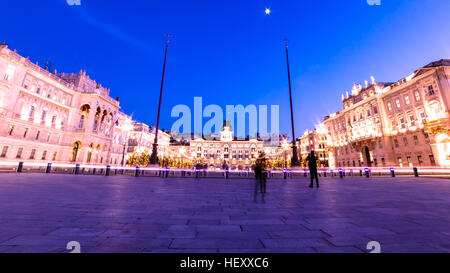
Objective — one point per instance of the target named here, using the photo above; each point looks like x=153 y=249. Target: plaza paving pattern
x=42 y=213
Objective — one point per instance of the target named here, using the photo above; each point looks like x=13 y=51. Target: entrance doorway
x=367 y=156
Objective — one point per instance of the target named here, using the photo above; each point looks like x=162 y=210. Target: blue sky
x=230 y=52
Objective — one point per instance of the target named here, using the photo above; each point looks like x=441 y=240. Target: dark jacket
x=312 y=161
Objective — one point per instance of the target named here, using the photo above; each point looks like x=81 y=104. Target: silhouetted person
x=312 y=164
x=260 y=176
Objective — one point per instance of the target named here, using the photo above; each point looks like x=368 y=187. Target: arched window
x=75 y=150
x=89 y=155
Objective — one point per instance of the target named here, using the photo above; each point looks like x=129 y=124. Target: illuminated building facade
x=50 y=117
x=401 y=124
x=216 y=154
x=142 y=138
x=316 y=141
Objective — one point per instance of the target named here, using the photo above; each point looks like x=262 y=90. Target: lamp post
x=154 y=157
x=294 y=161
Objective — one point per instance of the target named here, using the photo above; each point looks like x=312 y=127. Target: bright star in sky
x=268 y=11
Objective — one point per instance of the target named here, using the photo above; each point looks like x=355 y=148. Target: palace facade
x=61 y=118
x=394 y=124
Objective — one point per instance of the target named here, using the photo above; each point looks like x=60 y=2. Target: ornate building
x=142 y=138
x=316 y=141
x=235 y=154
x=394 y=124
x=50 y=117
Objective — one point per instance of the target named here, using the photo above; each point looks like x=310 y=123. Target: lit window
x=402 y=123
x=417 y=95
x=412 y=120
x=389 y=106
x=407 y=101
x=397 y=102
x=44 y=155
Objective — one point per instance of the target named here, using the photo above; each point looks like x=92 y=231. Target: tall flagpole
x=154 y=157
x=294 y=161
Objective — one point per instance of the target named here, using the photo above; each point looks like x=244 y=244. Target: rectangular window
x=33 y=153
x=25 y=133
x=48 y=137
x=420 y=160
x=405 y=141
x=19 y=153
x=432 y=161
x=431 y=90
x=37 y=135
x=396 y=143
x=416 y=140
x=417 y=96
x=397 y=102
x=389 y=106
x=54 y=156
x=408 y=159
x=11 y=130
x=44 y=155
x=4 y=151
x=412 y=120
x=383 y=162
x=407 y=101
x=375 y=110
x=400 y=162
x=402 y=123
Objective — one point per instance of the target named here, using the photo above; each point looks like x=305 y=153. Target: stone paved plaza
x=42 y=213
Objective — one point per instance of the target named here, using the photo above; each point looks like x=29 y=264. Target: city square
x=44 y=212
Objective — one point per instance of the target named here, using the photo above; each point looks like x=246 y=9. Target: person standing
x=260 y=176
x=312 y=164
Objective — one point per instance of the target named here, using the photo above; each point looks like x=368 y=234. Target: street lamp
x=154 y=157
x=294 y=161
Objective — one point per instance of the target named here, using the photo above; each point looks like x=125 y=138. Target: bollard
x=49 y=168
x=367 y=171
x=108 y=169
x=341 y=173
x=360 y=173
x=393 y=172
x=324 y=173
x=20 y=167
x=416 y=172
x=94 y=171
x=167 y=173
x=196 y=173
x=115 y=171
x=284 y=174
x=226 y=174
x=351 y=173
x=77 y=168
x=136 y=173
